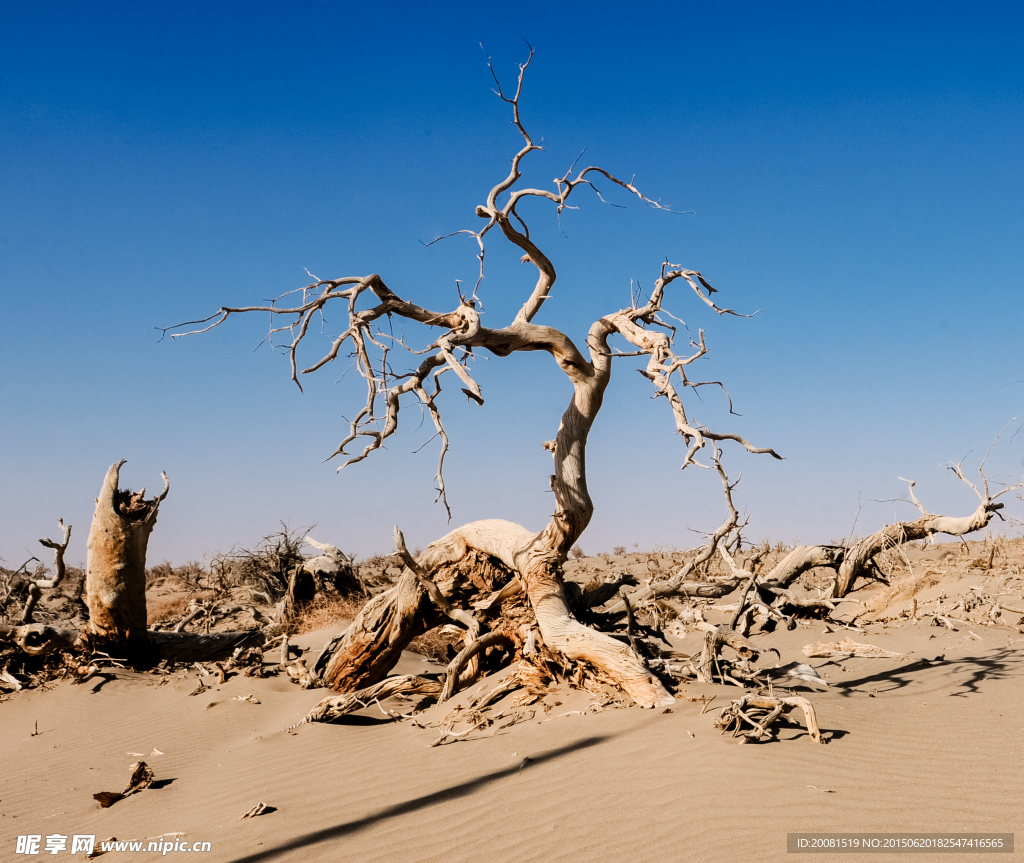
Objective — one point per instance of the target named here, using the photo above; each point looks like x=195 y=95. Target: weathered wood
x=374 y=642
x=736 y=714
x=455 y=679
x=186 y=647
x=36 y=639
x=115 y=570
x=341 y=705
x=677 y=586
x=189 y=647
x=37 y=586
x=848 y=647
x=714 y=638
x=859 y=557
x=801 y=559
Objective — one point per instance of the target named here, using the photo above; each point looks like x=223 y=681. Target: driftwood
x=140 y=779
x=37 y=639
x=37 y=586
x=760 y=711
x=334 y=565
x=801 y=559
x=341 y=705
x=455 y=677
x=115 y=570
x=714 y=638
x=848 y=647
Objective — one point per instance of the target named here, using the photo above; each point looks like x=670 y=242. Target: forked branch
x=858 y=558
x=36 y=587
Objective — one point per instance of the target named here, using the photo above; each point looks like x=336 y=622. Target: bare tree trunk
x=893 y=535
x=373 y=644
x=370 y=647
x=540 y=563
x=115 y=573
x=801 y=559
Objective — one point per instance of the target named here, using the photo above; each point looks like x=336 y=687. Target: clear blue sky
x=855 y=171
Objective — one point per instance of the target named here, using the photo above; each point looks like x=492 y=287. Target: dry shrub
x=435 y=643
x=266 y=567
x=903 y=586
x=577 y=553
x=165 y=608
x=891 y=561
x=160 y=609
x=323 y=612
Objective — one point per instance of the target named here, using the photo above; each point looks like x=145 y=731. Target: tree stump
x=115 y=570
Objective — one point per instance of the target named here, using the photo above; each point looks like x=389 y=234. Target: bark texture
x=115 y=573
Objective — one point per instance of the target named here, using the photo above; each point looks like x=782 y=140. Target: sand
x=929 y=742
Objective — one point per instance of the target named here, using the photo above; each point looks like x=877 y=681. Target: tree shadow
x=356 y=719
x=1001 y=664
x=106 y=678
x=452 y=793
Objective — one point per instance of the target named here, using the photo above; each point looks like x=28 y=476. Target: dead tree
x=115 y=588
x=115 y=568
x=532 y=559
x=860 y=557
x=37 y=586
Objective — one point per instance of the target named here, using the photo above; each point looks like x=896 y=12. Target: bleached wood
x=860 y=555
x=115 y=569
x=369 y=649
x=37 y=586
x=800 y=560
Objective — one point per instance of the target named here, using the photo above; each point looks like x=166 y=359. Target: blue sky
x=854 y=171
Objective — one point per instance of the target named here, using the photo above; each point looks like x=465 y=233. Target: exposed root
x=455 y=676
x=334 y=708
x=759 y=712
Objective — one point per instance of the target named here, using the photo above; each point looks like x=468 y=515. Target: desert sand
x=928 y=742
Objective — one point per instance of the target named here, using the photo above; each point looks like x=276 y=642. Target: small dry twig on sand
x=258 y=809
x=141 y=777
x=848 y=647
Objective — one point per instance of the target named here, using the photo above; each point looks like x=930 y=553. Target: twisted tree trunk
x=860 y=556
x=372 y=645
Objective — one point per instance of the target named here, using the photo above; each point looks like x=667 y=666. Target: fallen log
x=847 y=647
x=37 y=639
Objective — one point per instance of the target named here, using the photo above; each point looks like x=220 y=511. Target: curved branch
x=36 y=588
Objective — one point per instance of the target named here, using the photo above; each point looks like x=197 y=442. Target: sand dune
x=931 y=742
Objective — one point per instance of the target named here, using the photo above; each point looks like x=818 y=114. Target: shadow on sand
x=1000 y=664
x=455 y=791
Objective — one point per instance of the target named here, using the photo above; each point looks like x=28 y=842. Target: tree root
x=759 y=712
x=334 y=708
